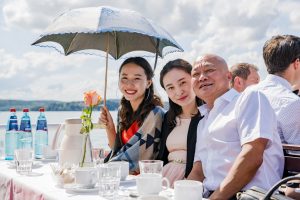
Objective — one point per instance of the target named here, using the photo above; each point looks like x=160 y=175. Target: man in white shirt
x=282 y=58
x=243 y=75
x=237 y=141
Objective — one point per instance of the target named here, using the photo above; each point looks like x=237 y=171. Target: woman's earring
x=148 y=93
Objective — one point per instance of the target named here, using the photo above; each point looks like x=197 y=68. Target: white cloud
x=38 y=75
x=234 y=29
x=35 y=14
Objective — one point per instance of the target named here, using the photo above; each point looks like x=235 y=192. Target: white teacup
x=150 y=183
x=124 y=168
x=86 y=177
x=188 y=189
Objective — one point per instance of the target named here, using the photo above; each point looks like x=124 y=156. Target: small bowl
x=62 y=175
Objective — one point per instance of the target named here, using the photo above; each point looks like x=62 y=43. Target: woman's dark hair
x=175 y=109
x=126 y=114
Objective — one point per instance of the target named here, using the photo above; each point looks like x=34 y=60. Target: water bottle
x=25 y=134
x=41 y=134
x=11 y=135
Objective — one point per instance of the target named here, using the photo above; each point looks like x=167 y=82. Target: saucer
x=46 y=159
x=169 y=193
x=152 y=197
x=78 y=189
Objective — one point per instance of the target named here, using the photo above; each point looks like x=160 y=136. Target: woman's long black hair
x=175 y=109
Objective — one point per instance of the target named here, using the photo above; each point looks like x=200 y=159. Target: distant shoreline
x=52 y=105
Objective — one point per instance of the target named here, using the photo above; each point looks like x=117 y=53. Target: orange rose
x=91 y=98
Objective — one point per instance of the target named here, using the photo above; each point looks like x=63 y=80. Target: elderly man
x=243 y=75
x=237 y=141
x=282 y=58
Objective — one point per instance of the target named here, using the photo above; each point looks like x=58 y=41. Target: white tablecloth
x=14 y=186
x=20 y=187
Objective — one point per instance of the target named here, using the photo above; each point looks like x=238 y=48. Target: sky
x=235 y=30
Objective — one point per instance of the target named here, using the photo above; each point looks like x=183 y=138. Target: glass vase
x=86 y=157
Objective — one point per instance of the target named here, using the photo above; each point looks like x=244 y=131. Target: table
x=14 y=186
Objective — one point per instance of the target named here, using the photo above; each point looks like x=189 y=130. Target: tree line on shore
x=52 y=105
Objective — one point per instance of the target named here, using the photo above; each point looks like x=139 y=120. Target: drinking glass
x=124 y=168
x=23 y=160
x=98 y=156
x=109 y=180
x=151 y=166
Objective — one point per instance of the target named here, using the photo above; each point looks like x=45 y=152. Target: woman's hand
x=107 y=120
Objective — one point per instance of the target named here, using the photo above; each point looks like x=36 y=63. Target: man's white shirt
x=286 y=105
x=234 y=120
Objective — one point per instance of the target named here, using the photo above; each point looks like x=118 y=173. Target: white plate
x=12 y=164
x=78 y=189
x=169 y=193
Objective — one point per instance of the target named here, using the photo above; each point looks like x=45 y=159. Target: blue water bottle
x=25 y=134
x=41 y=134
x=11 y=135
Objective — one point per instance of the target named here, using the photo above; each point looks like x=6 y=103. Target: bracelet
x=293 y=185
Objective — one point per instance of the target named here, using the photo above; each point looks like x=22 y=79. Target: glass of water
x=98 y=156
x=23 y=160
x=109 y=180
x=151 y=166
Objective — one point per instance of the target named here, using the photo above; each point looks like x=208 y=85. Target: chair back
x=292 y=159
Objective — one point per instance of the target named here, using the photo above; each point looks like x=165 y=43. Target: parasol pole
x=156 y=54
x=106 y=68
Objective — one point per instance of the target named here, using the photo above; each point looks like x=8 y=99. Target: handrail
x=292 y=147
x=292 y=159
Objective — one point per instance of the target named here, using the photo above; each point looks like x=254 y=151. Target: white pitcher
x=71 y=146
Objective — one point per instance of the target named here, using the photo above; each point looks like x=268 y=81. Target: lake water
x=98 y=136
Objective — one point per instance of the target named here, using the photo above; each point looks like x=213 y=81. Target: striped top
x=286 y=105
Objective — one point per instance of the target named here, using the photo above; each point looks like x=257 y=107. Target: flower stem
x=84 y=150
x=88 y=126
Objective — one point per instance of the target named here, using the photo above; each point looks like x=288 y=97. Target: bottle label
x=25 y=126
x=13 y=125
x=42 y=125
